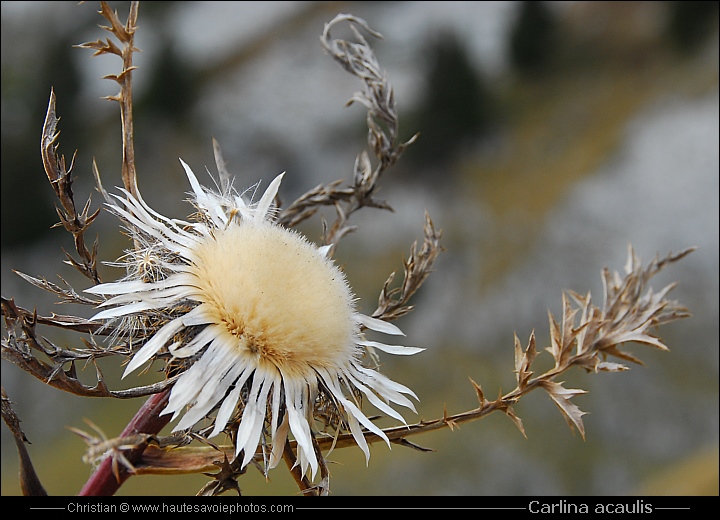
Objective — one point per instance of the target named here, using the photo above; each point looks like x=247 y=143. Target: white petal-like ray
x=176 y=224
x=252 y=415
x=157 y=298
x=277 y=388
x=267 y=199
x=131 y=286
x=373 y=398
x=203 y=200
x=211 y=393
x=350 y=407
x=191 y=383
x=168 y=238
x=168 y=228
x=121 y=287
x=296 y=404
x=278 y=442
x=398 y=350
x=385 y=386
x=226 y=410
x=125 y=310
x=357 y=434
x=378 y=325
x=196 y=344
x=200 y=315
x=259 y=407
x=154 y=344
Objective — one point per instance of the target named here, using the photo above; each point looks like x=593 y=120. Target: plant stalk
x=106 y=480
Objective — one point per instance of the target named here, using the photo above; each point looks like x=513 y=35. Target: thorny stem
x=395 y=434
x=398 y=433
x=129 y=173
x=108 y=478
x=126 y=35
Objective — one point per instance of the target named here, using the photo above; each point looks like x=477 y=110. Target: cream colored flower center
x=276 y=295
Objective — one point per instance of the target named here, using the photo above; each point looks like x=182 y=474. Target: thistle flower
x=265 y=322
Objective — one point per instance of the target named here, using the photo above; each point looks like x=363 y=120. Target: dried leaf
x=606 y=366
x=518 y=422
x=29 y=481
x=523 y=360
x=479 y=392
x=101 y=47
x=66 y=295
x=561 y=396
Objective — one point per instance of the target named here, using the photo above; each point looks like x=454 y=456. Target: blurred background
x=553 y=134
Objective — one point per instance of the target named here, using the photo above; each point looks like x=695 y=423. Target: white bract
x=265 y=316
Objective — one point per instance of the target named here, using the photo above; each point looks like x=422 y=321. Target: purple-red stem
x=147 y=420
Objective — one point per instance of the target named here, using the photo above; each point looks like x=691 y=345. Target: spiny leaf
x=518 y=422
x=523 y=360
x=123 y=32
x=480 y=394
x=641 y=337
x=561 y=396
x=607 y=366
x=29 y=481
x=101 y=47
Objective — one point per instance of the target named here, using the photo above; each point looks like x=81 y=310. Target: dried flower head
x=264 y=318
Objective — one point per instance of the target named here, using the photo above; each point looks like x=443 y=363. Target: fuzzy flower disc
x=276 y=296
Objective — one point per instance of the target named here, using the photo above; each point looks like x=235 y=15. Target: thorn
x=479 y=392
x=447 y=420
